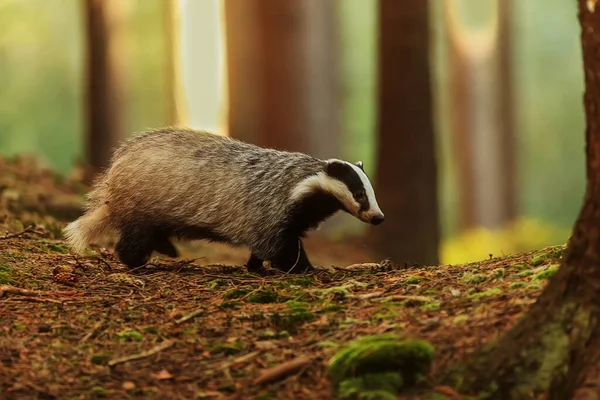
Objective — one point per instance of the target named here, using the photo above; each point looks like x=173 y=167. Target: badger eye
x=359 y=194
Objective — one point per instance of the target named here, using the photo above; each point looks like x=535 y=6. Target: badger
x=184 y=184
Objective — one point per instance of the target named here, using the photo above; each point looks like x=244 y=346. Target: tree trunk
x=555 y=347
x=103 y=84
x=482 y=116
x=176 y=102
x=282 y=86
x=406 y=177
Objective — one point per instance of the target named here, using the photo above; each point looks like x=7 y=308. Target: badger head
x=348 y=184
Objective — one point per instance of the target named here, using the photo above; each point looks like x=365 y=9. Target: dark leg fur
x=254 y=264
x=164 y=246
x=134 y=247
x=292 y=258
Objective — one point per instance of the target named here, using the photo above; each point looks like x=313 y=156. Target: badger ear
x=335 y=168
x=359 y=164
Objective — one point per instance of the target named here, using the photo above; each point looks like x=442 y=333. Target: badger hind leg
x=292 y=257
x=135 y=246
x=163 y=245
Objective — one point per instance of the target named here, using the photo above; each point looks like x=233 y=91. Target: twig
x=31 y=293
x=229 y=364
x=282 y=370
x=190 y=315
x=164 y=345
x=96 y=328
x=41 y=300
x=14 y=235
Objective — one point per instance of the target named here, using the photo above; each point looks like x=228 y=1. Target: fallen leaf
x=162 y=375
x=128 y=385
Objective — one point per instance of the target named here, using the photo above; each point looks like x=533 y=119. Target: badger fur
x=184 y=184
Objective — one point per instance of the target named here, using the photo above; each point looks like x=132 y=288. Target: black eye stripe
x=348 y=175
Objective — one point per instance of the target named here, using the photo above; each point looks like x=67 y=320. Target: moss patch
x=379 y=366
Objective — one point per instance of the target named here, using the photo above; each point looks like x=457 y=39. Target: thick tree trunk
x=103 y=85
x=281 y=74
x=555 y=347
x=406 y=181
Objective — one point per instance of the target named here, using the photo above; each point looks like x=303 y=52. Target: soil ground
x=194 y=329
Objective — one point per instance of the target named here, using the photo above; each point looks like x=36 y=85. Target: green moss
x=266 y=296
x=217 y=283
x=331 y=308
x=99 y=391
x=381 y=386
x=538 y=260
x=473 y=279
x=516 y=285
x=548 y=273
x=413 y=280
x=100 y=359
x=57 y=248
x=379 y=366
x=226 y=348
x=524 y=274
x=151 y=329
x=498 y=273
x=433 y=306
x=297 y=315
x=236 y=293
x=520 y=266
x=130 y=336
x=487 y=293
x=460 y=318
x=264 y=396
x=302 y=282
x=430 y=293
x=6 y=275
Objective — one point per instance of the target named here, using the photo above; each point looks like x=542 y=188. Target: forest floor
x=79 y=327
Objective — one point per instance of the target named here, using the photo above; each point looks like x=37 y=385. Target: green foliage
x=473 y=279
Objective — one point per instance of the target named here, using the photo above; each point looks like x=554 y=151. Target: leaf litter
x=87 y=327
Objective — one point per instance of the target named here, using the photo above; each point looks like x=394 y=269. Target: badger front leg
x=292 y=257
x=254 y=264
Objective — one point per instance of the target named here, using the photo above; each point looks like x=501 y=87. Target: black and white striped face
x=350 y=185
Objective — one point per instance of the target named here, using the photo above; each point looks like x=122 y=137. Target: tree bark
x=555 y=347
x=103 y=85
x=281 y=63
x=406 y=177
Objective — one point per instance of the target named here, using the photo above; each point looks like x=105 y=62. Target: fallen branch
x=164 y=345
x=228 y=364
x=282 y=370
x=9 y=289
x=190 y=316
x=18 y=234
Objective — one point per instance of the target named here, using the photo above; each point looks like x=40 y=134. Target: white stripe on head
x=373 y=206
x=322 y=181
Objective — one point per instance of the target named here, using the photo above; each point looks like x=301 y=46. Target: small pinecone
x=63 y=269
x=66 y=278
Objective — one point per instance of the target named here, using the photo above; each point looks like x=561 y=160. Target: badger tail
x=92 y=225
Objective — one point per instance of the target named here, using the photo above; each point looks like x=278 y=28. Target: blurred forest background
x=506 y=86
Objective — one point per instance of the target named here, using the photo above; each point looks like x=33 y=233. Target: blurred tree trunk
x=104 y=90
x=555 y=347
x=176 y=103
x=406 y=181
x=482 y=117
x=281 y=65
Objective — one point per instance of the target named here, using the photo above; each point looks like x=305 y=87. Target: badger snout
x=377 y=219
